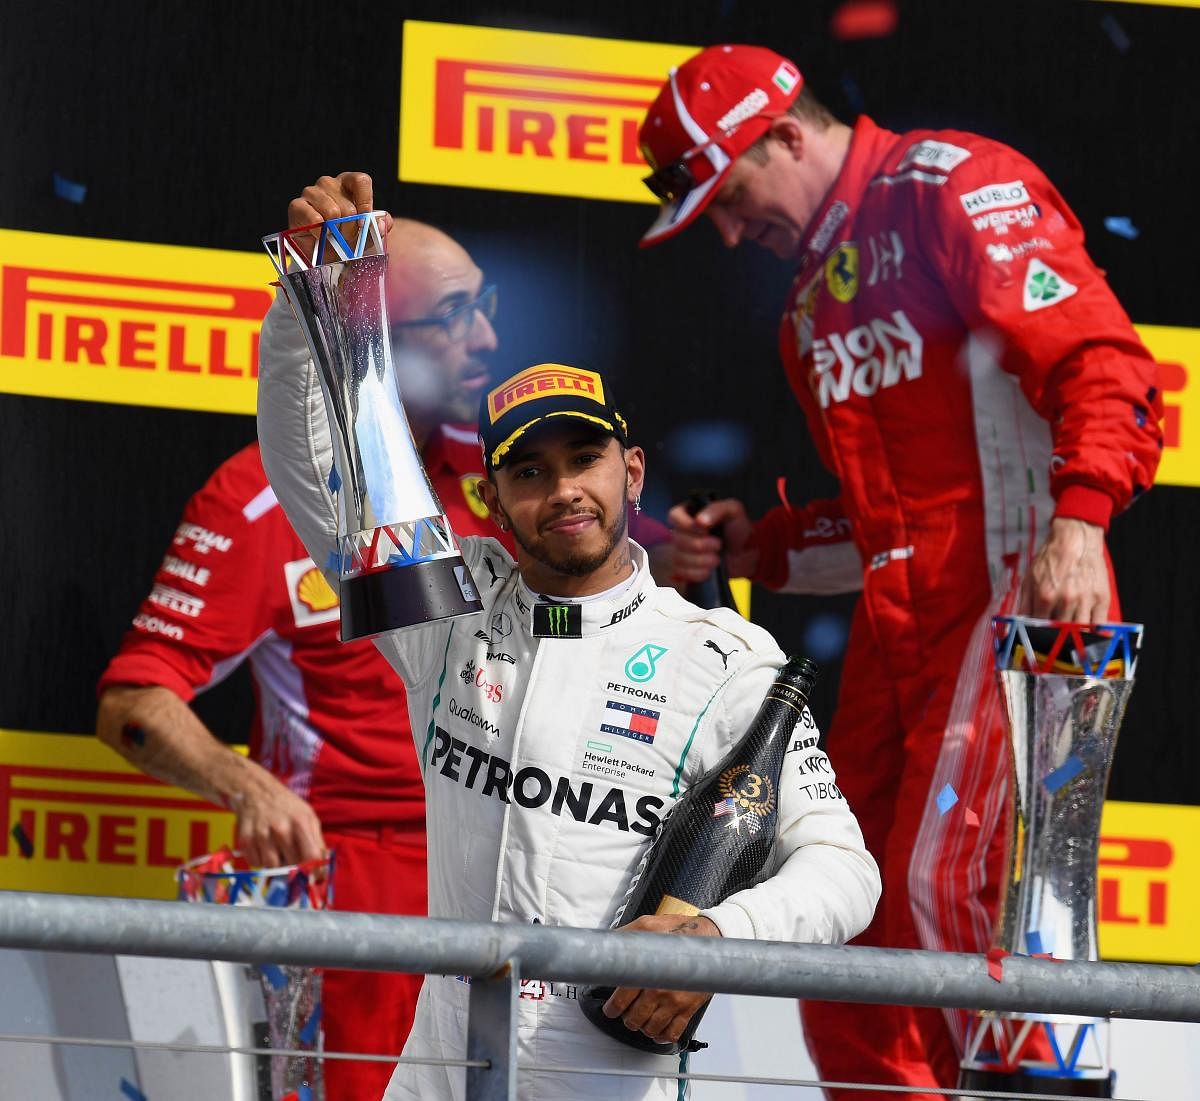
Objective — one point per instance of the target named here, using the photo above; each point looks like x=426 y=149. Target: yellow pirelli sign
x=1178 y=354
x=551 y=114
x=1148 y=883
x=75 y=818
x=131 y=323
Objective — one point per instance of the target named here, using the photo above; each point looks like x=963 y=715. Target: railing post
x=492 y=1034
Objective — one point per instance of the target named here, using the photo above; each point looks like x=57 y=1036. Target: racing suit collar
x=868 y=143
x=545 y=617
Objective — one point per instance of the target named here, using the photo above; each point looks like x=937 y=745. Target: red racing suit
x=967 y=374
x=237 y=585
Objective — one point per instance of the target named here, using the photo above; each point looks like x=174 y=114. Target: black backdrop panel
x=194 y=124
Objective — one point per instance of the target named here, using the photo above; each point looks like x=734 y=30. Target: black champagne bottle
x=716 y=839
x=714 y=590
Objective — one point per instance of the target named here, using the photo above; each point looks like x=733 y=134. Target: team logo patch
x=643 y=665
x=629 y=721
x=546 y=380
x=313 y=601
x=708 y=642
x=841 y=272
x=995 y=196
x=470 y=491
x=1044 y=286
x=934 y=154
x=558 y=621
x=785 y=77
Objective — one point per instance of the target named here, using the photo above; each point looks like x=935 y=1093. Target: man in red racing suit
x=980 y=394
x=331 y=762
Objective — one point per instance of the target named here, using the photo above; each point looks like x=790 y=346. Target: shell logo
x=314 y=591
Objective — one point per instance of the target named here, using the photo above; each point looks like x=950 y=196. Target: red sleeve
x=1012 y=259
x=807 y=549
x=208 y=604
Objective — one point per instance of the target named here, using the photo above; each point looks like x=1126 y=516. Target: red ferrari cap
x=710 y=111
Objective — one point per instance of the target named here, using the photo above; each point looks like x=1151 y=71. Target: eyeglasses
x=457 y=323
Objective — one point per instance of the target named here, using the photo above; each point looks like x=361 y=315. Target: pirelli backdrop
x=146 y=149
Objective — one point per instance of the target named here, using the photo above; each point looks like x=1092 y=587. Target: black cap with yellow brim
x=537 y=394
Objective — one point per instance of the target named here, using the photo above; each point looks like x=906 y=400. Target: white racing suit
x=549 y=762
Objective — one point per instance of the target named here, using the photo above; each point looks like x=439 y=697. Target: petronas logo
x=642 y=666
x=1045 y=287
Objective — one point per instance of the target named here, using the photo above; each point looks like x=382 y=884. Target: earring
x=637 y=503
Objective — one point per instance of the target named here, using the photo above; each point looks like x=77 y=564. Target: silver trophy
x=1065 y=687
x=397 y=558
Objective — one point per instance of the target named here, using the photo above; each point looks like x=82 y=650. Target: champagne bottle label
x=672 y=905
x=746 y=795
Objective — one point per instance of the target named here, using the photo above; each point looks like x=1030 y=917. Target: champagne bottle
x=716 y=839
x=714 y=590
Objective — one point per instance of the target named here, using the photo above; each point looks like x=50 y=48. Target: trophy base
x=1021 y=1081
x=591 y=1001
x=406 y=596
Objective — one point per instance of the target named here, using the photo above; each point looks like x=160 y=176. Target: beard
x=578 y=563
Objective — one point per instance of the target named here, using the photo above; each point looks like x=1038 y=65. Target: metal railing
x=498 y=956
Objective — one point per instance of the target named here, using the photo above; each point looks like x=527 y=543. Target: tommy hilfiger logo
x=558 y=621
x=630 y=721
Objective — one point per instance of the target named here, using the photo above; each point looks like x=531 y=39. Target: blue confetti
x=1033 y=943
x=68 y=189
x=825 y=636
x=335 y=480
x=1116 y=34
x=334 y=562
x=1064 y=774
x=131 y=1091
x=1122 y=227
x=709 y=446
x=947 y=797
x=309 y=1032
x=274 y=975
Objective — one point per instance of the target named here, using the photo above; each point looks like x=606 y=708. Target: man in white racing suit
x=556 y=728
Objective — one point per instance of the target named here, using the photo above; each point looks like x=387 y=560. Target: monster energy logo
x=557 y=621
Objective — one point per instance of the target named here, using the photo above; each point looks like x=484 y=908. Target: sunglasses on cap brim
x=673 y=181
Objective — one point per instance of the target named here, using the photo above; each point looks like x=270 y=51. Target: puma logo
x=492 y=570
x=724 y=656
